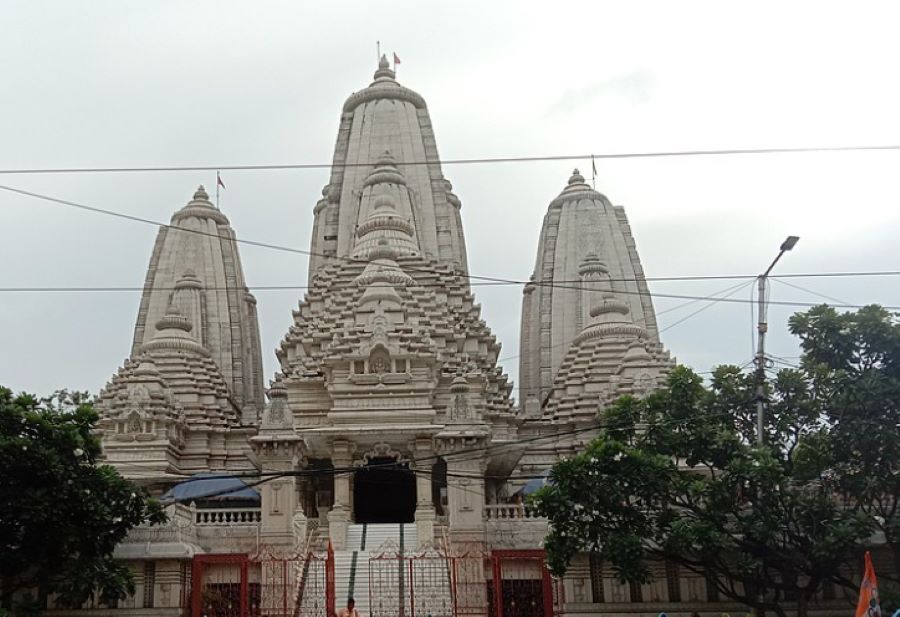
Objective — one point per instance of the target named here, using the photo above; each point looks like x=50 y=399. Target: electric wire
x=706 y=306
x=264 y=476
x=812 y=292
x=649 y=279
x=407 y=267
x=713 y=297
x=459 y=161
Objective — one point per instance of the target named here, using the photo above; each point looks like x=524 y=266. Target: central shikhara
x=391 y=426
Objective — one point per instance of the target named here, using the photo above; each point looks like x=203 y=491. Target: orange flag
x=868 y=605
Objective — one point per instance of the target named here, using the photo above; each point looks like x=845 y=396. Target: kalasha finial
x=384 y=69
x=201 y=193
x=576 y=177
x=173 y=319
x=386 y=158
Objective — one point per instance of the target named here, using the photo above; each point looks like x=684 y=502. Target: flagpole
x=378 y=51
x=217 y=190
x=593 y=173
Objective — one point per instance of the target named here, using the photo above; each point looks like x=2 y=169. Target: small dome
x=277 y=390
x=188 y=280
x=609 y=306
x=173 y=319
x=386 y=158
x=384 y=70
x=576 y=178
x=201 y=193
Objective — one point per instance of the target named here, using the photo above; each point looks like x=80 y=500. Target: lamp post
x=761 y=328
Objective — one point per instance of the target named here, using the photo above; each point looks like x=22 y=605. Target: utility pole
x=761 y=328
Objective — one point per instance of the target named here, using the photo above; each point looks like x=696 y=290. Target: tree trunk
x=802 y=605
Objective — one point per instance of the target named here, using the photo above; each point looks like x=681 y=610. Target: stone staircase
x=351 y=566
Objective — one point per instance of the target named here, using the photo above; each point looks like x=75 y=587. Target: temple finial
x=384 y=69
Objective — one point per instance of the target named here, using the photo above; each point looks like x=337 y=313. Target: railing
x=179 y=528
x=231 y=516
x=512 y=511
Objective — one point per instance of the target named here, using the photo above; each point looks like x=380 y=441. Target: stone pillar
x=465 y=493
x=279 y=448
x=425 y=515
x=339 y=516
x=466 y=501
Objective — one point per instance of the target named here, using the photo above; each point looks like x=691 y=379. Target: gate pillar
x=425 y=515
x=339 y=516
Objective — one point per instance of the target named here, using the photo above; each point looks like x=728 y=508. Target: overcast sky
x=123 y=83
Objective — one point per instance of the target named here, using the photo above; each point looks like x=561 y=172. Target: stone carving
x=379 y=450
x=135 y=425
x=379 y=361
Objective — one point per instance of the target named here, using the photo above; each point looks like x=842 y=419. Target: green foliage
x=679 y=475
x=62 y=513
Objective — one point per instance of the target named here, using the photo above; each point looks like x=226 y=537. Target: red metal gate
x=220 y=586
x=430 y=589
x=389 y=583
x=465 y=584
x=468 y=568
x=520 y=584
x=266 y=584
x=312 y=595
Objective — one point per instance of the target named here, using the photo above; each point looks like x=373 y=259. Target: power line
x=459 y=161
x=266 y=476
x=498 y=283
x=407 y=267
x=641 y=320
x=736 y=289
x=812 y=292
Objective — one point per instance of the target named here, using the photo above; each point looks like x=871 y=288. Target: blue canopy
x=211 y=487
x=535 y=484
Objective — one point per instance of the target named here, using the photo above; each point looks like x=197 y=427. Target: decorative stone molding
x=379 y=450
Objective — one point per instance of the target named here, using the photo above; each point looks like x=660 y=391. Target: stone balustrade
x=228 y=516
x=512 y=511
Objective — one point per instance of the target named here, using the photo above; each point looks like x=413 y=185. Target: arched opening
x=379 y=361
x=384 y=491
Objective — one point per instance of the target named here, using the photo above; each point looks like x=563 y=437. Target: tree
x=679 y=475
x=61 y=514
x=853 y=362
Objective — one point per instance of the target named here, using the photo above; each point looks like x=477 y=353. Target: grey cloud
x=635 y=87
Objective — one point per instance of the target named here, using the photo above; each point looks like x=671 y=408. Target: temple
x=390 y=463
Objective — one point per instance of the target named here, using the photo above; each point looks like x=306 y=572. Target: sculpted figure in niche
x=134 y=423
x=379 y=361
x=460 y=407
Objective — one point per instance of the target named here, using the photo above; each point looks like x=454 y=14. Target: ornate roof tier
x=386 y=147
x=171 y=404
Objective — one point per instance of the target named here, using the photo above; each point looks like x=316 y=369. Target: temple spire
x=386 y=117
x=584 y=238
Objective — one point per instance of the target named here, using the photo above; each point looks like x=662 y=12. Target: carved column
x=339 y=516
x=425 y=515
x=279 y=448
x=466 y=500
x=465 y=488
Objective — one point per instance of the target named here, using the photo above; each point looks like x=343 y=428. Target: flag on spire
x=219 y=181
x=868 y=604
x=396 y=59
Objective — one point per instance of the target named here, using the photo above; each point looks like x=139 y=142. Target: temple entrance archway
x=384 y=491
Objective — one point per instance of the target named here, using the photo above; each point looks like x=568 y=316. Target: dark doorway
x=384 y=492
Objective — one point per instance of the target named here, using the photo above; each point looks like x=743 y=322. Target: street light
x=762 y=327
